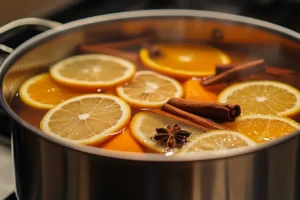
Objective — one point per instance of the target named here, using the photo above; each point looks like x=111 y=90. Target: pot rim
x=152 y=157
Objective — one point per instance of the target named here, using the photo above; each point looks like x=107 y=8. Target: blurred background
x=282 y=12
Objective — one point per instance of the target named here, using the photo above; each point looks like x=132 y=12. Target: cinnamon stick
x=214 y=110
x=241 y=70
x=276 y=71
x=193 y=118
x=220 y=68
x=131 y=56
x=164 y=113
x=124 y=43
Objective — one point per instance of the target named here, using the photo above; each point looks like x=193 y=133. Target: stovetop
x=278 y=12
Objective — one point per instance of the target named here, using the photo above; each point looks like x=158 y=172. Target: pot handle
x=9 y=30
x=19 y=25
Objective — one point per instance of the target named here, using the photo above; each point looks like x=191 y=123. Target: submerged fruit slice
x=149 y=90
x=263 y=97
x=262 y=128
x=193 y=90
x=92 y=71
x=143 y=128
x=87 y=119
x=123 y=141
x=42 y=92
x=217 y=140
x=184 y=60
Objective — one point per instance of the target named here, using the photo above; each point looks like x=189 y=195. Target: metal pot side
x=47 y=169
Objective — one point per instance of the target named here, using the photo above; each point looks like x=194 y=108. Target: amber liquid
x=33 y=116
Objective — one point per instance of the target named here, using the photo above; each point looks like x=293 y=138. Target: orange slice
x=92 y=71
x=263 y=97
x=42 y=92
x=87 y=119
x=219 y=140
x=149 y=90
x=193 y=90
x=262 y=128
x=143 y=126
x=123 y=142
x=184 y=60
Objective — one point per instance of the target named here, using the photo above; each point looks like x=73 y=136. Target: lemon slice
x=184 y=60
x=42 y=92
x=143 y=127
x=263 y=97
x=87 y=119
x=217 y=141
x=92 y=71
x=149 y=90
x=262 y=128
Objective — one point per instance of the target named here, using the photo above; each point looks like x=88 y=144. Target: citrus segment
x=149 y=90
x=262 y=128
x=263 y=97
x=143 y=128
x=193 y=90
x=87 y=119
x=123 y=141
x=42 y=92
x=184 y=60
x=92 y=71
x=217 y=140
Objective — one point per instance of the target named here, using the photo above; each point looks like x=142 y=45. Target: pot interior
x=242 y=39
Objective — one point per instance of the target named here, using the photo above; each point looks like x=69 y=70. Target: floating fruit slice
x=193 y=90
x=262 y=128
x=149 y=90
x=184 y=60
x=92 y=71
x=143 y=128
x=217 y=140
x=87 y=119
x=123 y=141
x=263 y=97
x=42 y=92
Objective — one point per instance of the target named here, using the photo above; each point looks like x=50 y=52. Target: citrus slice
x=184 y=60
x=42 y=92
x=217 y=141
x=143 y=127
x=263 y=97
x=123 y=141
x=262 y=128
x=149 y=90
x=92 y=71
x=87 y=119
x=193 y=90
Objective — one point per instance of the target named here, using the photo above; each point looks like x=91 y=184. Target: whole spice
x=85 y=48
x=193 y=118
x=214 y=110
x=153 y=50
x=140 y=40
x=178 y=118
x=232 y=74
x=171 y=137
x=275 y=71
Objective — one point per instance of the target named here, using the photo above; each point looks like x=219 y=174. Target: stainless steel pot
x=50 y=169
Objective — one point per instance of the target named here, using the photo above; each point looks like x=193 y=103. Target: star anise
x=171 y=136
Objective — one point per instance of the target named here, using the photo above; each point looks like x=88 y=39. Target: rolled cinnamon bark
x=213 y=110
x=233 y=73
x=193 y=118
